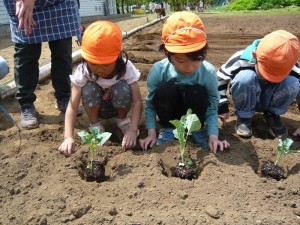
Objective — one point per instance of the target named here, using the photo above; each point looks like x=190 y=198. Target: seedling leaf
x=93 y=139
x=183 y=128
x=283 y=148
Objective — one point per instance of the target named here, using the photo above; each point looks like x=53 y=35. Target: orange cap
x=101 y=42
x=276 y=55
x=183 y=32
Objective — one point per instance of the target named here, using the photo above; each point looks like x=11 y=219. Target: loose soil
x=41 y=186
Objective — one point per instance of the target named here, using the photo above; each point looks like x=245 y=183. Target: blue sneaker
x=200 y=138
x=165 y=135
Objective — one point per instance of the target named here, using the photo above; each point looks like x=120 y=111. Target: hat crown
x=101 y=42
x=277 y=53
x=183 y=32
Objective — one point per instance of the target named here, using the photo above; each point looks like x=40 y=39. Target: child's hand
x=129 y=139
x=223 y=118
x=297 y=132
x=66 y=147
x=149 y=141
x=214 y=143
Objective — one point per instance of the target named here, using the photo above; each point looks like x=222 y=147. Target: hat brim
x=185 y=48
x=98 y=60
x=273 y=77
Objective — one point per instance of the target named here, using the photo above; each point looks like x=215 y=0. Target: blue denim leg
x=4 y=69
x=245 y=90
x=284 y=94
x=200 y=138
x=165 y=135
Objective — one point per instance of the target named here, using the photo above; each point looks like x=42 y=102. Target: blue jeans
x=4 y=69
x=251 y=94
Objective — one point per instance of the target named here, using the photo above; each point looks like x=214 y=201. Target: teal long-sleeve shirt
x=164 y=71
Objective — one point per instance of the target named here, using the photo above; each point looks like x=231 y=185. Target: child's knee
x=91 y=94
x=121 y=95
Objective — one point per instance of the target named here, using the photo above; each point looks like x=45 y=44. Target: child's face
x=184 y=64
x=102 y=70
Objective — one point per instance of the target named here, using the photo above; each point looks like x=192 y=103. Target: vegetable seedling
x=283 y=149
x=183 y=128
x=271 y=169
x=93 y=139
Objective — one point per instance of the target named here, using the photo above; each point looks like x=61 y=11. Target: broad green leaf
x=95 y=131
x=192 y=123
x=102 y=138
x=83 y=136
x=179 y=128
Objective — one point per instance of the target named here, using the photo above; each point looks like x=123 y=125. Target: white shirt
x=82 y=76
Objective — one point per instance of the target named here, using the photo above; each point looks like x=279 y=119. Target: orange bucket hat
x=276 y=55
x=101 y=42
x=183 y=32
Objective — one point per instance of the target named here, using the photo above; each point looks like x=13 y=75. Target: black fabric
x=172 y=102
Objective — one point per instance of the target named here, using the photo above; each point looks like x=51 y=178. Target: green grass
x=226 y=11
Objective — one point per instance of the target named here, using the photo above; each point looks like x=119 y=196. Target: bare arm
x=67 y=147
x=130 y=137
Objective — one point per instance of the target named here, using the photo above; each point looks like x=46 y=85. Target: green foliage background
x=261 y=4
x=235 y=5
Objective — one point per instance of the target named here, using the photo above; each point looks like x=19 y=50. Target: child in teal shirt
x=181 y=81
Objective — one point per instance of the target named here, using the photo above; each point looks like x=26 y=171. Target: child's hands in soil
x=67 y=147
x=149 y=141
x=215 y=144
x=129 y=139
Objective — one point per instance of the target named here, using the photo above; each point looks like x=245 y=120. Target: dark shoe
x=62 y=105
x=28 y=116
x=276 y=127
x=243 y=127
x=165 y=135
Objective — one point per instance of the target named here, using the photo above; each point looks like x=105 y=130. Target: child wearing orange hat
x=263 y=78
x=181 y=81
x=106 y=83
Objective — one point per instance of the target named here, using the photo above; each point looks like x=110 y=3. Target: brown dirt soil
x=41 y=186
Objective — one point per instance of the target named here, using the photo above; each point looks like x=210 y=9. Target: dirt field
x=41 y=186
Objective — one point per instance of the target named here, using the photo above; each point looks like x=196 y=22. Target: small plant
x=93 y=139
x=283 y=148
x=269 y=168
x=94 y=171
x=184 y=128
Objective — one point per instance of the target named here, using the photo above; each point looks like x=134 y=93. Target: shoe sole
x=30 y=127
x=245 y=135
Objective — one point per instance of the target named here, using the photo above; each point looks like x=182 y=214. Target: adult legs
x=61 y=67
x=26 y=74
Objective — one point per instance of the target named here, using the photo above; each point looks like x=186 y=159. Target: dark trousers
x=172 y=102
x=26 y=67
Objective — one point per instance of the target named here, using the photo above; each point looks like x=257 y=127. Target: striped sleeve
x=227 y=73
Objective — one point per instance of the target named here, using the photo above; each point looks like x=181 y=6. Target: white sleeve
x=79 y=78
x=132 y=73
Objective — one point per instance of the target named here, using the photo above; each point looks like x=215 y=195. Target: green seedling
x=93 y=139
x=183 y=128
x=283 y=148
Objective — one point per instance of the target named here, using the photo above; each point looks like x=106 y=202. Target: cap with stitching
x=101 y=42
x=183 y=32
x=276 y=55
